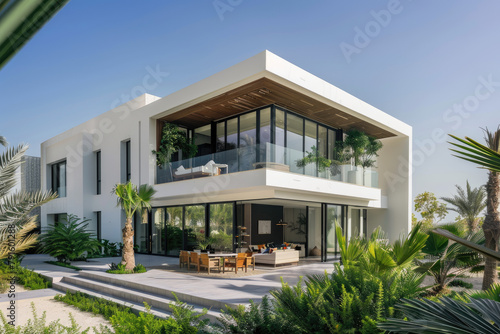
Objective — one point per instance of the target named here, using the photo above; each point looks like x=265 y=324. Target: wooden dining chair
x=250 y=260
x=184 y=259
x=209 y=263
x=194 y=260
x=236 y=262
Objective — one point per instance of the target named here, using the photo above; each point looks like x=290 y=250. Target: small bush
x=24 y=276
x=69 y=240
x=62 y=264
x=87 y=303
x=120 y=269
x=461 y=283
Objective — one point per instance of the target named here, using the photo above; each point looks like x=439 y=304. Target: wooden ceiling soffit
x=263 y=92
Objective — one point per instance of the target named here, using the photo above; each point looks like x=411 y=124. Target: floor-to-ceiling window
x=173 y=229
x=194 y=226
x=247 y=141
x=158 y=231
x=221 y=225
x=331 y=214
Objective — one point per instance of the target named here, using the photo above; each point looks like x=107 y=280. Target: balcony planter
x=367 y=177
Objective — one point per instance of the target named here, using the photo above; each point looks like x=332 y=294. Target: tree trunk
x=491 y=228
x=128 y=258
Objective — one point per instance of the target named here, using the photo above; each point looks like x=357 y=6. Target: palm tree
x=132 y=199
x=469 y=204
x=16 y=223
x=488 y=157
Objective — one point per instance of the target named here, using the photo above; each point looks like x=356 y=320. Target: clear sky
x=433 y=64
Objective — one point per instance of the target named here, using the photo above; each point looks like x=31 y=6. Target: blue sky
x=434 y=65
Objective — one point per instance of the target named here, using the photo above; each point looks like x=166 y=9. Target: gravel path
x=54 y=310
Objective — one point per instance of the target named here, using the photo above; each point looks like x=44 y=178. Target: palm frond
x=10 y=160
x=478 y=248
x=479 y=154
x=3 y=141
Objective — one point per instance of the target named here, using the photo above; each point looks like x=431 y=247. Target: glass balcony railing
x=261 y=156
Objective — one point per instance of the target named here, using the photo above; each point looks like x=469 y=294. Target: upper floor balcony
x=264 y=155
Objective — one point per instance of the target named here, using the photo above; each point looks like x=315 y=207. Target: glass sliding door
x=141 y=235
x=279 y=154
x=331 y=214
x=194 y=225
x=158 y=231
x=173 y=230
x=221 y=226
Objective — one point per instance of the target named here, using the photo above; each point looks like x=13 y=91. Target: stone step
x=121 y=281
x=126 y=295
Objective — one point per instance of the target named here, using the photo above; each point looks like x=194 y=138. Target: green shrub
x=492 y=293
x=65 y=265
x=461 y=283
x=24 y=276
x=120 y=269
x=183 y=320
x=258 y=318
x=69 y=240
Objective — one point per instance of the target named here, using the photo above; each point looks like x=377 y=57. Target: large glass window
x=248 y=141
x=333 y=215
x=58 y=178
x=202 y=140
x=232 y=144
x=194 y=225
x=141 y=234
x=265 y=133
x=173 y=230
x=221 y=137
x=98 y=225
x=221 y=226
x=294 y=141
x=310 y=145
x=158 y=231
x=280 y=136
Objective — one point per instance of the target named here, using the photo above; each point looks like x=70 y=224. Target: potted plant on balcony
x=314 y=157
x=363 y=150
x=173 y=140
x=341 y=165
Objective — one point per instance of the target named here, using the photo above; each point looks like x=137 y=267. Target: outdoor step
x=134 y=307
x=121 y=281
x=129 y=295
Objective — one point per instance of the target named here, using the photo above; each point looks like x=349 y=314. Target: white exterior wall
x=136 y=120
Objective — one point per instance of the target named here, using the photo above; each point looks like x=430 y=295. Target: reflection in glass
x=194 y=225
x=221 y=140
x=265 y=132
x=323 y=148
x=173 y=230
x=294 y=138
x=280 y=136
x=221 y=226
x=310 y=145
x=158 y=231
x=248 y=140
x=232 y=144
x=141 y=233
x=333 y=214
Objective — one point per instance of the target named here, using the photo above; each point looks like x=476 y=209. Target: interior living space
x=266 y=168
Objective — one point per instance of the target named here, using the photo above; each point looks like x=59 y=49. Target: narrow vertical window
x=58 y=178
x=128 y=173
x=98 y=172
x=98 y=225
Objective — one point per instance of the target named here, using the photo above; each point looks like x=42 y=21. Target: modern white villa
x=252 y=123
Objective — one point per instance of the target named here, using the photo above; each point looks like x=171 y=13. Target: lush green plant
x=461 y=283
x=39 y=325
x=68 y=240
x=357 y=295
x=448 y=259
x=24 y=276
x=314 y=157
x=65 y=265
x=106 y=249
x=488 y=157
x=469 y=204
x=16 y=223
x=492 y=293
x=362 y=148
x=132 y=199
x=183 y=319
x=446 y=316
x=173 y=140
x=257 y=318
x=221 y=241
x=121 y=269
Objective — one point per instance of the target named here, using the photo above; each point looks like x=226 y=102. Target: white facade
x=389 y=205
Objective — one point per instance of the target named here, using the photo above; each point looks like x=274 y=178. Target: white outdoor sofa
x=277 y=257
x=209 y=169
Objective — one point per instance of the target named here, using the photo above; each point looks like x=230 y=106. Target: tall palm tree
x=488 y=157
x=16 y=223
x=132 y=199
x=469 y=204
